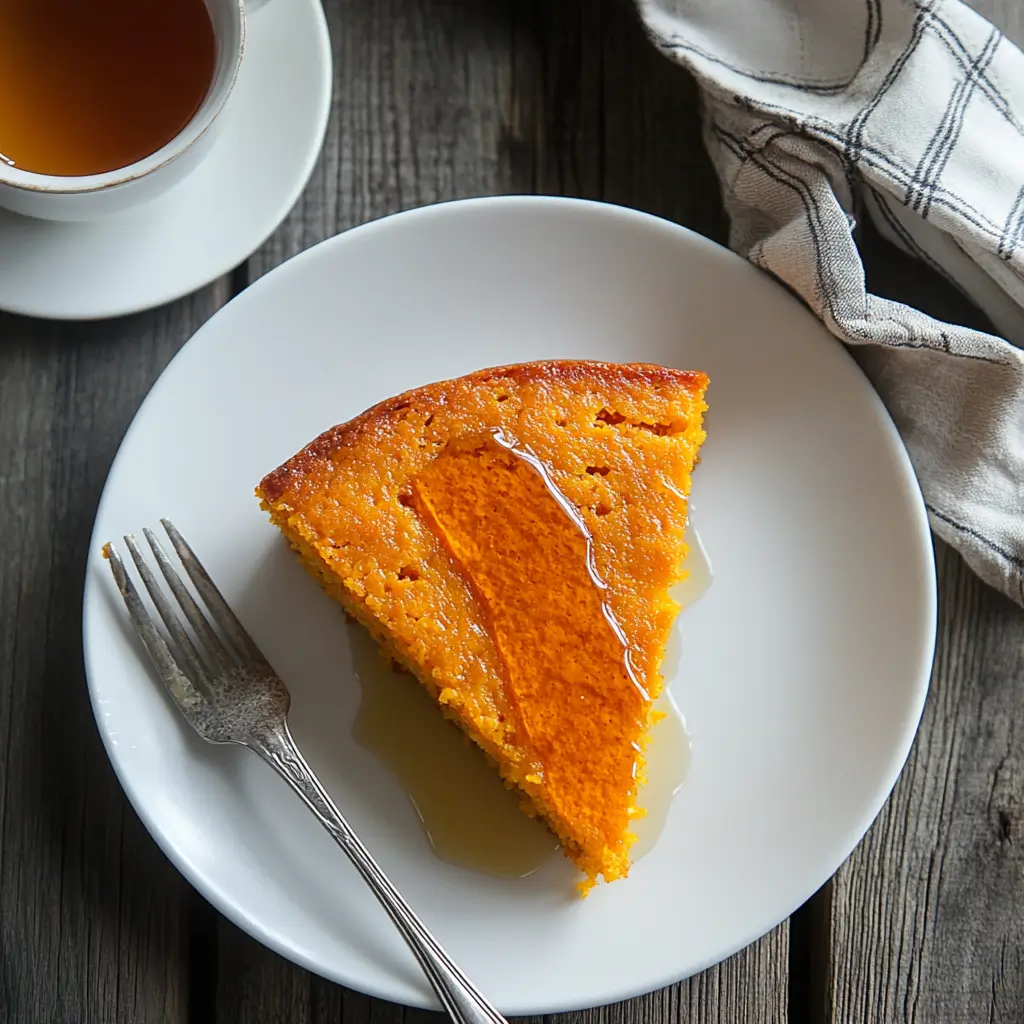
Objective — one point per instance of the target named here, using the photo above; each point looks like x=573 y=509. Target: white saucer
x=212 y=221
x=801 y=672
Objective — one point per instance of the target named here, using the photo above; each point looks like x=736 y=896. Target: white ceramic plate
x=803 y=669
x=274 y=127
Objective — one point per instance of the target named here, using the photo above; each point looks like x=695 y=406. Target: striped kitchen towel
x=913 y=111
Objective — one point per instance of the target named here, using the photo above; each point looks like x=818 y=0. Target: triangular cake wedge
x=511 y=538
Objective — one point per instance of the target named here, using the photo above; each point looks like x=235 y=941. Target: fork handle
x=463 y=1001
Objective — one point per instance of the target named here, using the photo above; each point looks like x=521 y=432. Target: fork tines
x=184 y=663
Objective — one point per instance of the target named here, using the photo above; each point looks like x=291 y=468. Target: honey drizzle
x=511 y=445
x=440 y=771
x=469 y=817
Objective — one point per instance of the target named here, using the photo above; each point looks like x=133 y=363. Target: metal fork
x=228 y=693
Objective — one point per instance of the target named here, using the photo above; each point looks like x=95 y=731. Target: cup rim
x=194 y=130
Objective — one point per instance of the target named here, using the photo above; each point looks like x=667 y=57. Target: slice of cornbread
x=510 y=537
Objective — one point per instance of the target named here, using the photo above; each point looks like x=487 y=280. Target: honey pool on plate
x=468 y=815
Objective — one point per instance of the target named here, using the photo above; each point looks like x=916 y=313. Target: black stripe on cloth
x=872 y=29
x=824 y=131
x=760 y=160
x=732 y=143
x=1011 y=232
x=959 y=52
x=785 y=133
x=882 y=202
x=849 y=170
x=675 y=44
x=879 y=17
x=1010 y=557
x=940 y=158
x=912 y=190
x=915 y=340
x=943 y=197
x=825 y=270
x=978 y=68
x=852 y=140
x=763 y=126
x=880 y=160
x=1014 y=268
x=919 y=343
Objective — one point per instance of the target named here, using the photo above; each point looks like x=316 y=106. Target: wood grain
x=94 y=922
x=928 y=914
x=440 y=99
x=444 y=99
x=257 y=987
x=923 y=921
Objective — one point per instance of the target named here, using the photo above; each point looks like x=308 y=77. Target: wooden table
x=438 y=99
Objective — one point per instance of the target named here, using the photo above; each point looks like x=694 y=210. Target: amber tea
x=88 y=86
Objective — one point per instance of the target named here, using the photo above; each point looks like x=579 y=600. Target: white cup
x=92 y=196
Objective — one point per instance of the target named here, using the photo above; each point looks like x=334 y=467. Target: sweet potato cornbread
x=510 y=537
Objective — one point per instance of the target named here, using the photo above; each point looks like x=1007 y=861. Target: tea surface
x=88 y=86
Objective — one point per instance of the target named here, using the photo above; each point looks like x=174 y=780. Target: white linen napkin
x=910 y=110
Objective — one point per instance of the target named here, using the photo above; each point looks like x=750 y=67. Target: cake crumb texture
x=517 y=615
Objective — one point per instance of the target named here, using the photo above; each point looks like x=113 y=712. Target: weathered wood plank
x=919 y=924
x=93 y=919
x=258 y=987
x=419 y=115
x=924 y=920
x=451 y=98
x=653 y=154
x=928 y=915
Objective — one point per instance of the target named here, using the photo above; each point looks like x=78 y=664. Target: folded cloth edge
x=791 y=193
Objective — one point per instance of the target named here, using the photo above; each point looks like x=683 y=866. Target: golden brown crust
x=617 y=443
x=274 y=485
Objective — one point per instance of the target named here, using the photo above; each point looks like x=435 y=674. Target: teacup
x=93 y=196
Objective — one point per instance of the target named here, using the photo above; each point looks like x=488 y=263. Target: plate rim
x=894 y=765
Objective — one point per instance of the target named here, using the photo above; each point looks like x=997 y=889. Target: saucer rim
x=162 y=297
